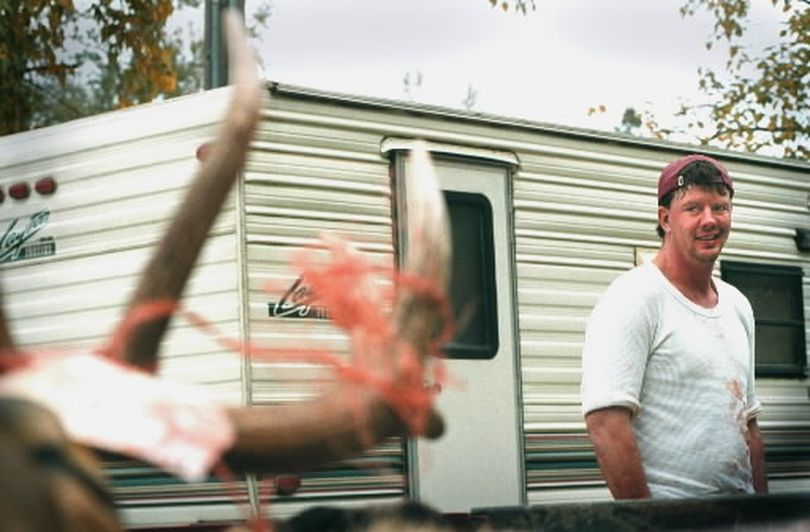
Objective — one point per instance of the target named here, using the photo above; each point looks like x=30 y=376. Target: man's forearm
x=756 y=449
x=617 y=453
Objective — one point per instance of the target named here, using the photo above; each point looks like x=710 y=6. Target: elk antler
x=168 y=270
x=300 y=435
x=428 y=251
x=6 y=342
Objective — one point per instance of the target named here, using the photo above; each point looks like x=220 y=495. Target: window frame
x=491 y=343
x=798 y=368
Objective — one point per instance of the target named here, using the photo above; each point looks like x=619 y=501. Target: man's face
x=697 y=222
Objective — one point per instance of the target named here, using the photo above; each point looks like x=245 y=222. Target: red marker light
x=45 y=186
x=19 y=191
x=287 y=484
x=203 y=151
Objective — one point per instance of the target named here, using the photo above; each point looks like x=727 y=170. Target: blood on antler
x=288 y=437
x=168 y=270
x=298 y=435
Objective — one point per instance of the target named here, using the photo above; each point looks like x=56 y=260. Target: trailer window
x=776 y=295
x=472 y=288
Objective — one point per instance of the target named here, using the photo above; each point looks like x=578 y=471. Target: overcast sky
x=551 y=65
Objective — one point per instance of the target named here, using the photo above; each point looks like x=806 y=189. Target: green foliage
x=135 y=27
x=761 y=100
x=59 y=62
x=31 y=34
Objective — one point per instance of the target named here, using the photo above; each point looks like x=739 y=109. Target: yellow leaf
x=167 y=83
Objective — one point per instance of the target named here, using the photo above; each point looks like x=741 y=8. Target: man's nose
x=708 y=216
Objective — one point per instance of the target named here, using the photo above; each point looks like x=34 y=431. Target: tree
x=96 y=89
x=631 y=122
x=30 y=33
x=761 y=101
x=60 y=60
x=136 y=64
x=520 y=6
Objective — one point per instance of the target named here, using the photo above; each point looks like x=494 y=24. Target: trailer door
x=479 y=460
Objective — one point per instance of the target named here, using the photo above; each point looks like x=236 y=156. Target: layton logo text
x=16 y=243
x=296 y=304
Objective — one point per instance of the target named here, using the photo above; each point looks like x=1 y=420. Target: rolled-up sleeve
x=614 y=356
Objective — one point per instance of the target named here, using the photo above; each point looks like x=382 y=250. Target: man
x=668 y=362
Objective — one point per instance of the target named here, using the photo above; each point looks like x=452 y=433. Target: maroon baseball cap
x=672 y=179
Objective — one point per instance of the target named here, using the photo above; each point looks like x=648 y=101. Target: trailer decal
x=295 y=304
x=14 y=244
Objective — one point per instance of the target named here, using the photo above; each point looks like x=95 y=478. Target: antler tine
x=6 y=342
x=297 y=436
x=168 y=270
x=428 y=250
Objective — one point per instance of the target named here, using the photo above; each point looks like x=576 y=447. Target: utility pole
x=216 y=58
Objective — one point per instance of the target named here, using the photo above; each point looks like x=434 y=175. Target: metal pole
x=216 y=59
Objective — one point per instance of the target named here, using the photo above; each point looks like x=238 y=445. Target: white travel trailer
x=544 y=217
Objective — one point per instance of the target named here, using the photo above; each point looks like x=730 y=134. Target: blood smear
x=105 y=403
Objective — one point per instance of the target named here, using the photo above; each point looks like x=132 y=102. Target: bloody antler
x=6 y=342
x=165 y=276
x=428 y=253
x=299 y=435
x=272 y=437
x=290 y=437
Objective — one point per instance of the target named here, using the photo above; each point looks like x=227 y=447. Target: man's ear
x=663 y=218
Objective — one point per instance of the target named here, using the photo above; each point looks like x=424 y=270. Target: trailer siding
x=582 y=210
